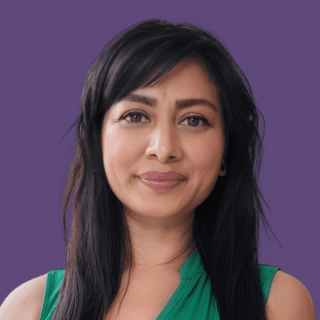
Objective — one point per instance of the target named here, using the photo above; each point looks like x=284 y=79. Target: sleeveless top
x=191 y=300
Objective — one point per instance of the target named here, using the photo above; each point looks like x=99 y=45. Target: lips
x=161 y=185
x=162 y=176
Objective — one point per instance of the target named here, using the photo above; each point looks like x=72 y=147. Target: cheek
x=118 y=153
x=112 y=145
x=111 y=148
x=206 y=161
x=206 y=156
x=110 y=152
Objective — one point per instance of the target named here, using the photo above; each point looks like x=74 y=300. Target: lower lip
x=160 y=185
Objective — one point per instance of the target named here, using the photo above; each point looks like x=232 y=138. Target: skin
x=163 y=139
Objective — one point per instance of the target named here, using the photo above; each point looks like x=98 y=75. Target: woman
x=167 y=210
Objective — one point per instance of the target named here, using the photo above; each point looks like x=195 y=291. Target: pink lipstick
x=162 y=176
x=161 y=185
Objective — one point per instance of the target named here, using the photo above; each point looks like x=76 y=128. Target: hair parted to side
x=226 y=225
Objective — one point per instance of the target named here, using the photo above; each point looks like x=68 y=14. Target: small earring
x=224 y=169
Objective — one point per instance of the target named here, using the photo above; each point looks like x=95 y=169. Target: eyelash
x=204 y=120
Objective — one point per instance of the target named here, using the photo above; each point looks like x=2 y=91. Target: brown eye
x=193 y=120
x=135 y=116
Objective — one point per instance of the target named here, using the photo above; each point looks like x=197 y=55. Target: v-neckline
x=190 y=267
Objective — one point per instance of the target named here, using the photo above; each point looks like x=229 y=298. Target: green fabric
x=54 y=281
x=191 y=300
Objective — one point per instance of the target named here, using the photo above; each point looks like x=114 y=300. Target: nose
x=164 y=143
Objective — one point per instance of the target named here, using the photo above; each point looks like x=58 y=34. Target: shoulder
x=25 y=301
x=289 y=299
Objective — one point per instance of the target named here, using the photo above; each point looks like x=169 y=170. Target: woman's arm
x=25 y=301
x=289 y=299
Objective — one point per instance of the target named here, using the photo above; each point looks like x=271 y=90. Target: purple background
x=46 y=50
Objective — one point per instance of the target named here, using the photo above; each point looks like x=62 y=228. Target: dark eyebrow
x=180 y=104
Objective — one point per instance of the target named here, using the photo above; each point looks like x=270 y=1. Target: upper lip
x=162 y=176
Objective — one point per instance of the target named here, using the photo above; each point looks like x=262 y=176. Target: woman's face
x=162 y=138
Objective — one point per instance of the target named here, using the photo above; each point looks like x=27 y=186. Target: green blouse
x=191 y=300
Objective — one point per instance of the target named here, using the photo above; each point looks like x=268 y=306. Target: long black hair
x=226 y=224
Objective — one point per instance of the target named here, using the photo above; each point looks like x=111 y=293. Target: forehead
x=187 y=80
x=188 y=69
